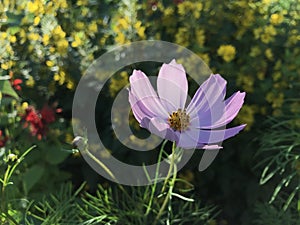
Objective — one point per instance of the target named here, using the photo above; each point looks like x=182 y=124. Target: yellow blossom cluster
x=227 y=52
x=118 y=82
x=127 y=29
x=254 y=43
x=46 y=39
x=190 y=7
x=257 y=40
x=265 y=34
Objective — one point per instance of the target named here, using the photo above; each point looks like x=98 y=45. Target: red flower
x=34 y=122
x=16 y=84
x=48 y=114
x=2 y=139
x=38 y=121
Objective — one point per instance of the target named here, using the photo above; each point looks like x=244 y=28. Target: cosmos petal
x=220 y=116
x=212 y=91
x=139 y=109
x=196 y=138
x=217 y=136
x=172 y=86
x=159 y=127
x=142 y=90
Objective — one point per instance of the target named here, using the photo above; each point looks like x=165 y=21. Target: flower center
x=179 y=120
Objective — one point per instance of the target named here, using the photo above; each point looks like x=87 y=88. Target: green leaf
x=32 y=176
x=13 y=30
x=48 y=23
x=6 y=88
x=13 y=19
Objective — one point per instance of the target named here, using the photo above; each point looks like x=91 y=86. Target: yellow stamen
x=179 y=120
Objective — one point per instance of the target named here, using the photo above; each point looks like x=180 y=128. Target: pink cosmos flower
x=199 y=125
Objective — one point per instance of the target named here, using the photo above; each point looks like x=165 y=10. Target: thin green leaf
x=6 y=88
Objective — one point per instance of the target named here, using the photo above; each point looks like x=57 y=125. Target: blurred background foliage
x=46 y=46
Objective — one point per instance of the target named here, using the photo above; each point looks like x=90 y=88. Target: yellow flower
x=56 y=77
x=247 y=82
x=58 y=33
x=293 y=39
x=120 y=38
x=13 y=39
x=82 y=2
x=184 y=7
x=261 y=75
x=168 y=11
x=32 y=6
x=23 y=36
x=255 y=51
x=79 y=25
x=270 y=30
x=269 y=54
x=70 y=84
x=200 y=37
x=123 y=23
x=68 y=138
x=50 y=9
x=49 y=63
x=117 y=83
x=60 y=77
x=62 y=4
x=197 y=9
x=204 y=57
x=62 y=46
x=182 y=37
x=227 y=52
x=93 y=28
x=3 y=35
x=46 y=39
x=36 y=21
x=24 y=106
x=246 y=115
x=276 y=19
x=35 y=7
x=257 y=32
x=248 y=19
x=77 y=42
x=4 y=66
x=140 y=29
x=52 y=49
x=266 y=38
x=30 y=82
x=33 y=36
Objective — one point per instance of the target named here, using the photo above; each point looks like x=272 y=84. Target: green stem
x=155 y=181
x=172 y=168
x=6 y=179
x=19 y=161
x=4 y=184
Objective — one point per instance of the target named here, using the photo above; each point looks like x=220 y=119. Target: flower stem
x=168 y=198
x=6 y=181
x=170 y=168
x=156 y=176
